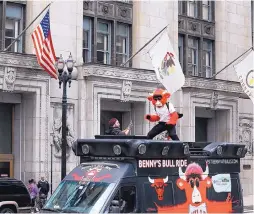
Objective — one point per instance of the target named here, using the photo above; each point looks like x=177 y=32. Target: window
x=201 y=125
x=206 y=8
x=197 y=9
x=192 y=8
x=103 y=42
x=13 y=26
x=193 y=56
x=122 y=43
x=180 y=7
x=200 y=56
x=196 y=54
x=207 y=58
x=124 y=201
x=126 y=1
x=6 y=128
x=79 y=197
x=180 y=49
x=87 y=39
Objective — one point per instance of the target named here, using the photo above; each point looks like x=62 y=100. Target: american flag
x=44 y=46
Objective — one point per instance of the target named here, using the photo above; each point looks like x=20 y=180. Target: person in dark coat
x=114 y=128
x=43 y=185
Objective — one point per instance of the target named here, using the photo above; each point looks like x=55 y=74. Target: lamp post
x=51 y=166
x=64 y=78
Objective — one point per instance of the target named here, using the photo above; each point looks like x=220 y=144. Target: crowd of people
x=38 y=192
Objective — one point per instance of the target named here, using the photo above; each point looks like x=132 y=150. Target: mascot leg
x=172 y=133
x=157 y=129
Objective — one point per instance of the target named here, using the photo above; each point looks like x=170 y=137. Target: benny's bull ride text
x=161 y=163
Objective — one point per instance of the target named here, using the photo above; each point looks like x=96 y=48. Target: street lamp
x=64 y=78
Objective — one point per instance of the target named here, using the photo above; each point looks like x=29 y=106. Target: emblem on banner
x=250 y=79
x=167 y=65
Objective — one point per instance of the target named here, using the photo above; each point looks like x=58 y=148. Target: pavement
x=248 y=204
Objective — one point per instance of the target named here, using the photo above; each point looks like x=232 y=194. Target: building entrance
x=211 y=125
x=6 y=165
x=6 y=139
x=106 y=116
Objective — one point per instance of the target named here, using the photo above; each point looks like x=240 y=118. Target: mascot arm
x=173 y=115
x=173 y=118
x=152 y=117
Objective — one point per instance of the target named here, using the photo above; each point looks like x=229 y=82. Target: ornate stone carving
x=217 y=85
x=124 y=13
x=57 y=132
x=105 y=9
x=246 y=133
x=19 y=60
x=126 y=91
x=86 y=5
x=214 y=100
x=181 y=24
x=119 y=73
x=9 y=78
x=194 y=27
x=149 y=76
x=208 y=29
x=89 y=7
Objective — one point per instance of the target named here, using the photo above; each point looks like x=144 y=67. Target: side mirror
x=114 y=207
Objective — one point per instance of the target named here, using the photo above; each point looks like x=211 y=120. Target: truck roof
x=126 y=156
x=138 y=147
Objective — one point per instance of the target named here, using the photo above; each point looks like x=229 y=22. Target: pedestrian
x=33 y=190
x=43 y=185
x=114 y=128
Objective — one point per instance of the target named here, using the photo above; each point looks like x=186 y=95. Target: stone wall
x=66 y=22
x=149 y=17
x=246 y=136
x=233 y=34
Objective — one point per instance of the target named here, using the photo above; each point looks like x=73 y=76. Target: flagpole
x=231 y=63
x=252 y=24
x=27 y=27
x=123 y=64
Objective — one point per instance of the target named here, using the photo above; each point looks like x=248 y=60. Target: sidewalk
x=248 y=200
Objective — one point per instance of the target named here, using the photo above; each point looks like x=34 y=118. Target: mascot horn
x=165 y=113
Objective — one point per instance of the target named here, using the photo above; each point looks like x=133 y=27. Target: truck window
x=127 y=199
x=83 y=197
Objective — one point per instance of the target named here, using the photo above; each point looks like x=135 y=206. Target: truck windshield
x=76 y=197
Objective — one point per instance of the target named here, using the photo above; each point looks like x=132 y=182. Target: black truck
x=14 y=196
x=130 y=174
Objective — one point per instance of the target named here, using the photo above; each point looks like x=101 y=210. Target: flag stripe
x=44 y=48
x=36 y=50
x=50 y=70
x=47 y=60
x=52 y=47
x=36 y=43
x=38 y=40
x=49 y=55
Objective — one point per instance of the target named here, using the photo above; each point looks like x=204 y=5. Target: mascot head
x=159 y=97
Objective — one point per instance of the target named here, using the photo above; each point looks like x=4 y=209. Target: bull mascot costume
x=165 y=114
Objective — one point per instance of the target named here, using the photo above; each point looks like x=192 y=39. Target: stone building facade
x=101 y=36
